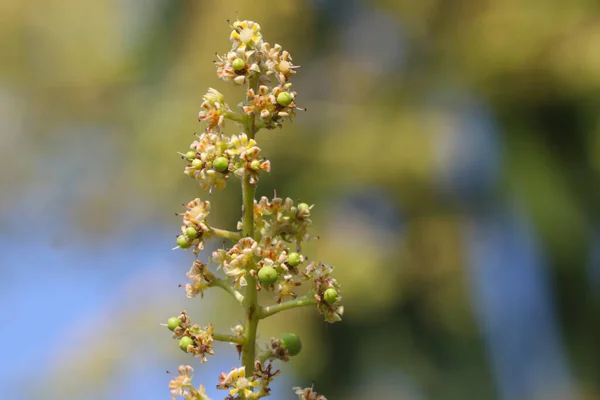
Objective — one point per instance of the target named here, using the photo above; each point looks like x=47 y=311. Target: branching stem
x=264 y=356
x=221 y=337
x=233 y=236
x=303 y=301
x=225 y=285
x=234 y=117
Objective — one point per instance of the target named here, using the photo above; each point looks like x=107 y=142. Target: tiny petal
x=254 y=67
x=266 y=166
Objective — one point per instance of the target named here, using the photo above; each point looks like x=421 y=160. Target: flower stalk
x=267 y=311
x=226 y=286
x=221 y=337
x=225 y=234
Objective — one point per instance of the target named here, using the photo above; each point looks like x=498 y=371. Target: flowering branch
x=259 y=258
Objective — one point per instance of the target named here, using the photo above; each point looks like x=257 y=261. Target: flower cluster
x=198 y=341
x=272 y=106
x=182 y=385
x=213 y=156
x=248 y=388
x=250 y=54
x=265 y=375
x=277 y=270
x=238 y=385
x=278 y=62
x=250 y=162
x=270 y=260
x=213 y=110
x=245 y=35
x=235 y=66
x=265 y=252
x=308 y=394
x=192 y=338
x=281 y=218
x=326 y=291
x=208 y=163
x=179 y=325
x=251 y=57
x=194 y=227
x=237 y=261
x=201 y=278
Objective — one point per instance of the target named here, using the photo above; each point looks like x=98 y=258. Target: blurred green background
x=452 y=150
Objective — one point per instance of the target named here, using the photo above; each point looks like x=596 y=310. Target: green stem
x=251 y=299
x=233 y=236
x=303 y=301
x=264 y=356
x=234 y=116
x=252 y=308
x=221 y=337
x=226 y=286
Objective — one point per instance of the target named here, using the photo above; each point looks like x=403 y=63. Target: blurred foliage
x=97 y=97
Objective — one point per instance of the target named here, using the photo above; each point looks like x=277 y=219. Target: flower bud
x=267 y=275
x=294 y=259
x=191 y=232
x=221 y=164
x=330 y=295
x=255 y=165
x=238 y=64
x=197 y=163
x=173 y=323
x=185 y=342
x=302 y=207
x=183 y=242
x=284 y=66
x=291 y=342
x=284 y=99
x=254 y=67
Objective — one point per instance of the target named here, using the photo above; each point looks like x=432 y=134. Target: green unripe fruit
x=255 y=165
x=221 y=164
x=294 y=259
x=173 y=323
x=284 y=99
x=185 y=342
x=197 y=163
x=183 y=242
x=267 y=275
x=303 y=207
x=330 y=295
x=191 y=232
x=190 y=155
x=291 y=342
x=238 y=64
